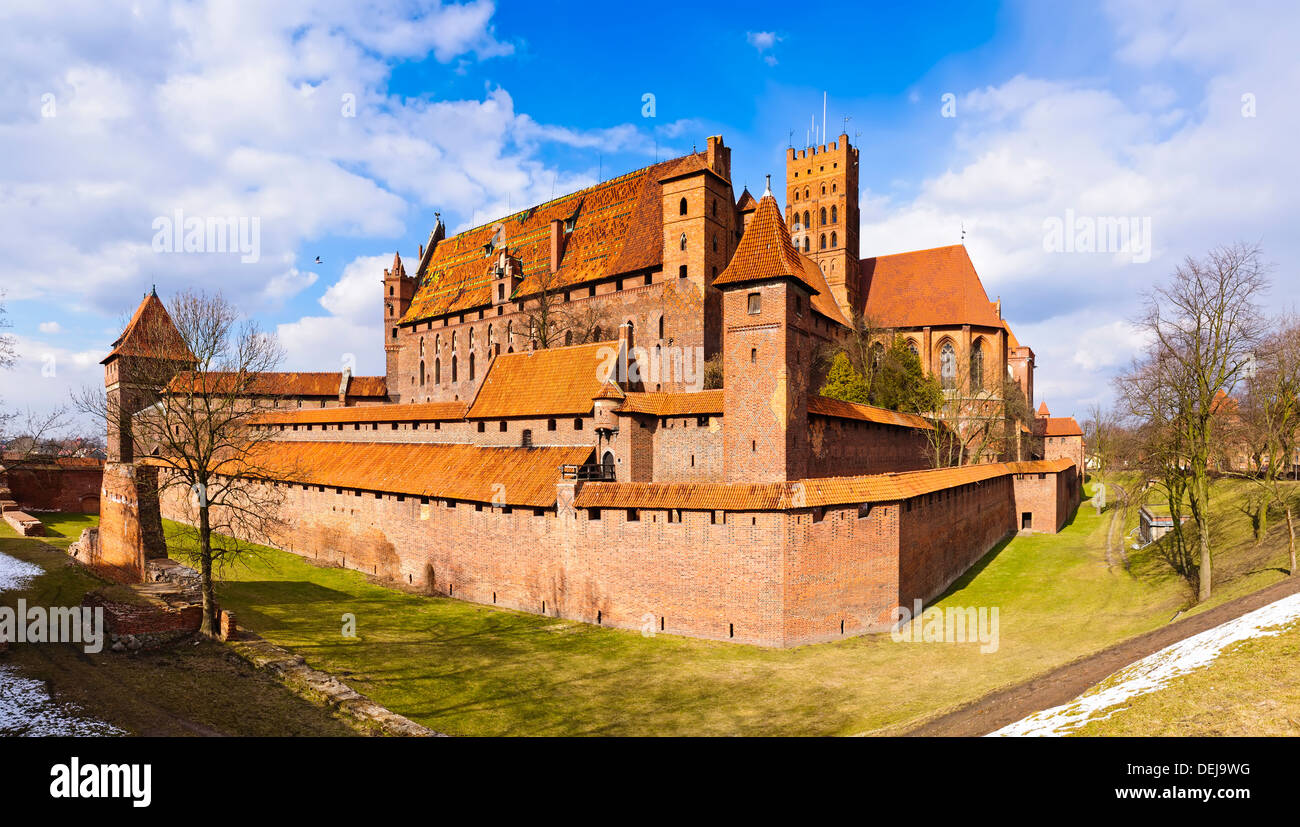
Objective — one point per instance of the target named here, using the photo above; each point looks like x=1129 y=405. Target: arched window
x=682 y=242
x=833 y=186
x=421 y=347
x=833 y=242
x=796 y=195
x=805 y=244
x=421 y=371
x=490 y=340
x=437 y=343
x=437 y=371
x=911 y=345
x=807 y=219
x=607 y=465
x=681 y=207
x=471 y=341
x=835 y=215
x=822 y=242
x=661 y=327
x=823 y=189
x=805 y=193
x=977 y=366
x=471 y=366
x=453 y=341
x=948 y=365
x=823 y=216
x=453 y=367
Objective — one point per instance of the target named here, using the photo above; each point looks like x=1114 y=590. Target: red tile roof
x=278 y=384
x=925 y=287
x=1042 y=409
x=151 y=332
x=867 y=413
x=618 y=228
x=808 y=493
x=1061 y=426
x=545 y=382
x=510 y=476
x=746 y=203
x=766 y=251
x=673 y=404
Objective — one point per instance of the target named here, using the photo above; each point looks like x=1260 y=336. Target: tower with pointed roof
x=399 y=289
x=821 y=211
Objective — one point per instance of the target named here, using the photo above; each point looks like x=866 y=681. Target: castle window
x=661 y=327
x=503 y=426
x=755 y=303
x=976 y=366
x=577 y=424
x=805 y=244
x=471 y=367
x=833 y=239
x=634 y=515
x=715 y=244
x=832 y=185
x=437 y=371
x=948 y=366
x=527 y=439
x=753 y=354
x=835 y=215
x=823 y=216
x=715 y=207
x=681 y=272
x=681 y=207
x=482 y=426
x=864 y=511
x=682 y=243
x=501 y=292
x=593 y=513
x=421 y=372
x=807 y=219
x=822 y=243
x=550 y=424
x=453 y=368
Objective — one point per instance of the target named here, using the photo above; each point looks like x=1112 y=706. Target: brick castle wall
x=56 y=489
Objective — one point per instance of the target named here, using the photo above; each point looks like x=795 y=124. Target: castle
x=543 y=438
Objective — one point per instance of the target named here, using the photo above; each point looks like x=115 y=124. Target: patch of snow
x=15 y=572
x=1156 y=670
x=27 y=709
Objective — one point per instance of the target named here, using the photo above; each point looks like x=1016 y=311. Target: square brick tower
x=399 y=289
x=821 y=213
x=767 y=358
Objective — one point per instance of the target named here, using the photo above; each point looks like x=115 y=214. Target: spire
x=767 y=190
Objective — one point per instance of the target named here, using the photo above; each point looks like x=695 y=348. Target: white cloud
x=764 y=42
x=352 y=332
x=50 y=327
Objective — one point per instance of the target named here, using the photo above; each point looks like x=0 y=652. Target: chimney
x=718 y=157
x=557 y=243
x=343 y=385
x=623 y=378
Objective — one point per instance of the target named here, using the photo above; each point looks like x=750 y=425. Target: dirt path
x=1067 y=682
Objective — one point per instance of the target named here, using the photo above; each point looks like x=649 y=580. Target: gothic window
x=682 y=242
x=471 y=341
x=823 y=189
x=805 y=195
x=607 y=465
x=807 y=219
x=835 y=215
x=948 y=365
x=421 y=371
x=976 y=366
x=421 y=348
x=833 y=187
x=681 y=207
x=823 y=216
x=912 y=347
x=661 y=327
x=833 y=243
x=437 y=371
x=453 y=367
x=805 y=244
x=471 y=366
x=822 y=242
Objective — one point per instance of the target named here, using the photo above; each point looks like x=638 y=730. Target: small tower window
x=682 y=243
x=681 y=272
x=681 y=207
x=755 y=303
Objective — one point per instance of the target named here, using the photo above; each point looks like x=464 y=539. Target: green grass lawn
x=472 y=670
x=184 y=689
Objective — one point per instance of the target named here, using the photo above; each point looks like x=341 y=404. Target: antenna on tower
x=963 y=232
x=823 y=140
x=847 y=118
x=790 y=142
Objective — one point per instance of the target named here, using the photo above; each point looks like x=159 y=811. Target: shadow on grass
x=974 y=571
x=279 y=592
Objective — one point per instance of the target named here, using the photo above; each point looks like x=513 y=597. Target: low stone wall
x=133 y=626
x=24 y=523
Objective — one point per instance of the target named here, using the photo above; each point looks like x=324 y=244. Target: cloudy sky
x=341 y=127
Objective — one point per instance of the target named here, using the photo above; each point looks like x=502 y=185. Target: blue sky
x=112 y=115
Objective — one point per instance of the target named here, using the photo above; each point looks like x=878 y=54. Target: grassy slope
x=468 y=669
x=1253 y=688
x=181 y=690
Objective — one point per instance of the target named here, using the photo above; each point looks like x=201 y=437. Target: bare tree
x=555 y=322
x=1271 y=413
x=8 y=347
x=1099 y=431
x=1204 y=325
x=212 y=463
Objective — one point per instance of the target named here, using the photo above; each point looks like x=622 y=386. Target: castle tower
x=821 y=213
x=766 y=313
x=399 y=289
